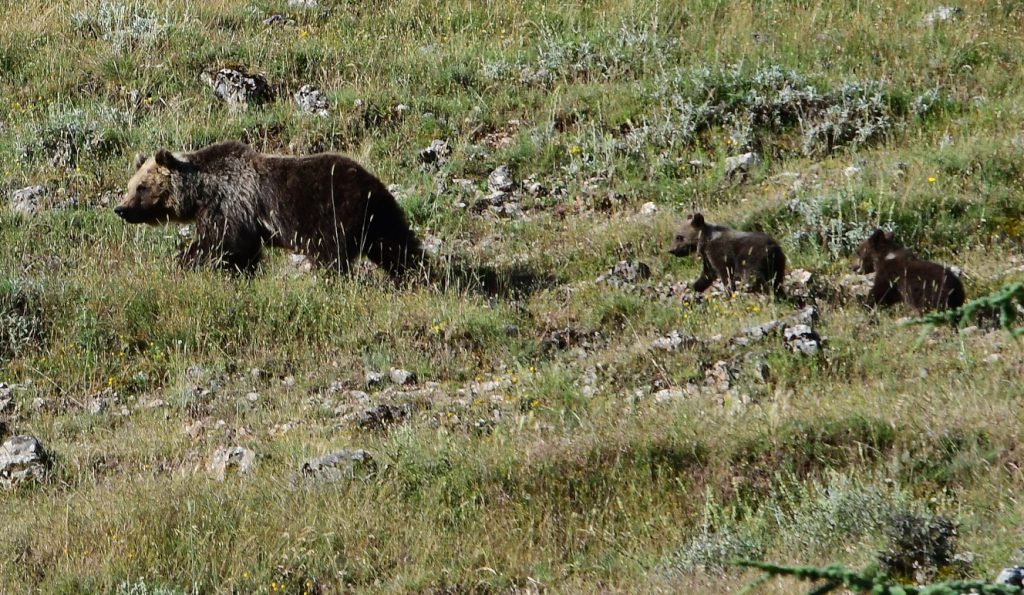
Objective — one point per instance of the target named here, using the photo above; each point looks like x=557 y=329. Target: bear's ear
x=139 y=160
x=697 y=220
x=165 y=158
x=878 y=236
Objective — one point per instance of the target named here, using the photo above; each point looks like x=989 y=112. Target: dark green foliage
x=1004 y=303
x=918 y=547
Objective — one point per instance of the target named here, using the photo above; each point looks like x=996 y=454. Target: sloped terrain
x=592 y=425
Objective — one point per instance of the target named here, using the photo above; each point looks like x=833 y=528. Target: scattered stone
x=942 y=14
x=741 y=165
x=195 y=429
x=762 y=373
x=561 y=339
x=500 y=180
x=484 y=426
x=401 y=109
x=648 y=209
x=719 y=377
x=303 y=4
x=26 y=201
x=803 y=286
x=196 y=374
x=252 y=397
x=22 y=459
x=807 y=316
x=298 y=265
x=374 y=379
x=382 y=417
x=225 y=459
x=675 y=342
x=436 y=154
x=312 y=101
x=281 y=429
x=854 y=287
x=152 y=403
x=667 y=395
x=536 y=188
x=344 y=464
x=800 y=338
x=401 y=377
x=625 y=272
x=851 y=172
x=678 y=290
x=799 y=277
x=278 y=20
x=1013 y=576
x=96 y=405
x=239 y=89
x=38 y=404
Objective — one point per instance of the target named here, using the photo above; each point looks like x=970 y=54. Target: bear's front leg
x=883 y=292
x=193 y=256
x=223 y=246
x=707 y=277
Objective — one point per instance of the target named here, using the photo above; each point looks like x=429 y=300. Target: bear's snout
x=130 y=214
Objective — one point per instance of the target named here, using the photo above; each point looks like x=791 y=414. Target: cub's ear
x=878 y=236
x=165 y=158
x=697 y=220
x=139 y=160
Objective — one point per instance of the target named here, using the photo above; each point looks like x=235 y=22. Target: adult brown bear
x=324 y=206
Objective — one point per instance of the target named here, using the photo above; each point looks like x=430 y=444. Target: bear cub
x=901 y=276
x=324 y=206
x=752 y=257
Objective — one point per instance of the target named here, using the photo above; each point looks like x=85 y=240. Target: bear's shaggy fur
x=324 y=206
x=901 y=276
x=733 y=255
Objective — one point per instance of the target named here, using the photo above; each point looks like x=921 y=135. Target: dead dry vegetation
x=591 y=425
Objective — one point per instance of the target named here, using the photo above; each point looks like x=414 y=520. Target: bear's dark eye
x=141 y=188
x=681 y=237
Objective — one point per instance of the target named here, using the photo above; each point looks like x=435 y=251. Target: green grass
x=565 y=474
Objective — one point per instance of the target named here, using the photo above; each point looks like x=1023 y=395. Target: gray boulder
x=22 y=459
x=225 y=459
x=340 y=465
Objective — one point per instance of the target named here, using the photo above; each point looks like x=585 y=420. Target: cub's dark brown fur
x=901 y=276
x=324 y=206
x=732 y=255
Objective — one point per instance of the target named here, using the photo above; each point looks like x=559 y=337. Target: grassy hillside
x=545 y=443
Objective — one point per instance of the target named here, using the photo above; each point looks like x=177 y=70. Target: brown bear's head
x=870 y=250
x=687 y=238
x=151 y=197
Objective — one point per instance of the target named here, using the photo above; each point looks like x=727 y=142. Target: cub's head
x=150 y=197
x=686 y=239
x=877 y=246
